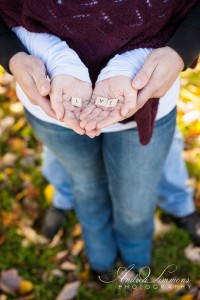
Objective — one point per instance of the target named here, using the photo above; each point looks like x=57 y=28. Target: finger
x=87 y=111
x=145 y=73
x=130 y=102
x=56 y=98
x=35 y=98
x=92 y=115
x=93 y=133
x=93 y=123
x=107 y=120
x=41 y=81
x=148 y=92
x=91 y=120
x=70 y=121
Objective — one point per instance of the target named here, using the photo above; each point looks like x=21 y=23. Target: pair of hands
x=160 y=70
x=91 y=118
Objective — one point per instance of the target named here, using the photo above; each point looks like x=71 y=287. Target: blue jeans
x=175 y=197
x=114 y=180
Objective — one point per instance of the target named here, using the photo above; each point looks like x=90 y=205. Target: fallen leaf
x=25 y=287
x=16 y=107
x=68 y=266
x=19 y=124
x=9 y=159
x=69 y=291
x=192 y=253
x=160 y=228
x=7 y=122
x=77 y=247
x=56 y=239
x=138 y=294
x=187 y=297
x=10 y=281
x=61 y=255
x=31 y=235
x=77 y=231
x=48 y=193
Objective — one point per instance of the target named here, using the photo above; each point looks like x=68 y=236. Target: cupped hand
x=160 y=70
x=95 y=117
x=29 y=71
x=63 y=88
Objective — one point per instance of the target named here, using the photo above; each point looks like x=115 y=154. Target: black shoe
x=191 y=224
x=54 y=220
x=101 y=278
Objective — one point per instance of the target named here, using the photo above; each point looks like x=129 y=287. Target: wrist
x=177 y=58
x=16 y=59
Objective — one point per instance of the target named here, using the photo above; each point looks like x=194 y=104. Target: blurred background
x=32 y=267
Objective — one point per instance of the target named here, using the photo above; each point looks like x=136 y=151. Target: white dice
x=101 y=101
x=111 y=103
x=77 y=101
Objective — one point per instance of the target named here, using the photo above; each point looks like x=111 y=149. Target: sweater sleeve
x=10 y=45
x=57 y=56
x=186 y=40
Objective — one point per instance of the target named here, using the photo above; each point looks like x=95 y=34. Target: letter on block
x=112 y=103
x=77 y=101
x=101 y=101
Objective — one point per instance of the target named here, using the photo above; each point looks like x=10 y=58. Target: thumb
x=42 y=83
x=145 y=73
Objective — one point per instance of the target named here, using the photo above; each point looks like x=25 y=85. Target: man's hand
x=160 y=70
x=30 y=73
x=98 y=117
x=63 y=88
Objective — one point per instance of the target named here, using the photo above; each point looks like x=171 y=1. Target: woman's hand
x=29 y=71
x=63 y=88
x=98 y=117
x=160 y=70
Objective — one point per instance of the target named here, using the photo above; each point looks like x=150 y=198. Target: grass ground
x=25 y=194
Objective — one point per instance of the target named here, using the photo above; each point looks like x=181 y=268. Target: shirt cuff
x=126 y=64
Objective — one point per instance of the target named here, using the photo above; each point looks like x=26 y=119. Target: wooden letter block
x=77 y=101
x=111 y=103
x=101 y=101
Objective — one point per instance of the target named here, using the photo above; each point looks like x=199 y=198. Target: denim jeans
x=114 y=180
x=174 y=196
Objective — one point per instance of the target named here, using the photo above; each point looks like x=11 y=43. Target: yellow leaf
x=77 y=247
x=189 y=96
x=19 y=124
x=25 y=287
x=187 y=297
x=77 y=230
x=48 y=193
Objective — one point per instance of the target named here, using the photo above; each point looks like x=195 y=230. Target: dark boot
x=190 y=224
x=54 y=220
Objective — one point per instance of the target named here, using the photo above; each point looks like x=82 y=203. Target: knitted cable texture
x=99 y=29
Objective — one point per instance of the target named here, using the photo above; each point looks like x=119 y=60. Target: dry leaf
x=31 y=235
x=187 y=297
x=68 y=266
x=61 y=255
x=77 y=247
x=48 y=193
x=160 y=228
x=9 y=159
x=138 y=294
x=192 y=253
x=10 y=281
x=56 y=239
x=25 y=287
x=7 y=122
x=69 y=291
x=77 y=231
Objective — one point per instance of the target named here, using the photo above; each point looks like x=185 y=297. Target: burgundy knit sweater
x=99 y=29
